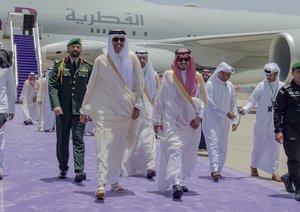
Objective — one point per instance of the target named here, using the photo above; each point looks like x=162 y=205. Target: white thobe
x=143 y=155
x=179 y=141
x=47 y=117
x=221 y=99
x=265 y=154
x=109 y=102
x=7 y=103
x=30 y=108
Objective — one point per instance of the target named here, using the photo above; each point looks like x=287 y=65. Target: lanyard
x=273 y=93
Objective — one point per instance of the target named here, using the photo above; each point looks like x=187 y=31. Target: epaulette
x=58 y=60
x=88 y=62
x=287 y=86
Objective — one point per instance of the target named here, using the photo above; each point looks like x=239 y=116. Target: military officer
x=67 y=85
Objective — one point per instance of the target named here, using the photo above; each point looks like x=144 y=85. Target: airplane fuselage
x=141 y=20
x=161 y=29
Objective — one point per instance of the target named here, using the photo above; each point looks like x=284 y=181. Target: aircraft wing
x=245 y=52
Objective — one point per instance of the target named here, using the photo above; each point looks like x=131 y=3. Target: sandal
x=276 y=178
x=215 y=176
x=100 y=193
x=116 y=187
x=254 y=172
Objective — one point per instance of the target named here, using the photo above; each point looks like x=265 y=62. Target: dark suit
x=67 y=87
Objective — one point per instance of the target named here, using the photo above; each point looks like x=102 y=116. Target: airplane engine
x=161 y=59
x=51 y=52
x=284 y=51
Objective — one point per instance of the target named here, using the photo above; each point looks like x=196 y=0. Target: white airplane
x=245 y=40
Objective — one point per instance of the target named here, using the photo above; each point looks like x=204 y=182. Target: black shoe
x=184 y=188
x=287 y=184
x=79 y=177
x=1 y=177
x=177 y=191
x=150 y=174
x=30 y=123
x=62 y=174
x=26 y=122
x=297 y=195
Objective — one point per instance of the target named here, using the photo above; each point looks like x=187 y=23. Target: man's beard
x=75 y=54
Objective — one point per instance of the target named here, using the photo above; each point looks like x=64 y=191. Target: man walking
x=67 y=85
x=113 y=100
x=287 y=127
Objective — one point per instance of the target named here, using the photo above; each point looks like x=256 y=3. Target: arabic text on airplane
x=98 y=18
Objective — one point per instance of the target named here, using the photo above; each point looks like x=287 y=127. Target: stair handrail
x=16 y=65
x=14 y=54
x=37 y=47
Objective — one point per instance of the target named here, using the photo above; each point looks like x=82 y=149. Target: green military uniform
x=67 y=87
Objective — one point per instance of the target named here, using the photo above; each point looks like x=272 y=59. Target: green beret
x=74 y=41
x=296 y=65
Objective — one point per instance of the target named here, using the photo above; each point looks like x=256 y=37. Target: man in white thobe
x=265 y=153
x=142 y=159
x=177 y=114
x=28 y=98
x=47 y=118
x=7 y=103
x=221 y=109
x=113 y=100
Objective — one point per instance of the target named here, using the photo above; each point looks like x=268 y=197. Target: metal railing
x=14 y=54
x=37 y=47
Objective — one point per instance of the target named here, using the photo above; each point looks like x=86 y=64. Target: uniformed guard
x=67 y=86
x=287 y=129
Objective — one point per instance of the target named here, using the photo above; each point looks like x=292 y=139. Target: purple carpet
x=30 y=183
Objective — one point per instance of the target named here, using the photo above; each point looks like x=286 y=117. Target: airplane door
x=28 y=24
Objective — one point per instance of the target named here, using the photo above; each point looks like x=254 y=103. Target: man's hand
x=231 y=115
x=279 y=137
x=157 y=128
x=57 y=111
x=195 y=123
x=135 y=113
x=84 y=118
x=39 y=102
x=242 y=111
x=234 y=127
x=34 y=99
x=11 y=116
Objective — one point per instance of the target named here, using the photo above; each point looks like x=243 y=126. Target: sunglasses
x=187 y=59
x=118 y=39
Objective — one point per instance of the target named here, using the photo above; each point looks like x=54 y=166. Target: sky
x=290 y=7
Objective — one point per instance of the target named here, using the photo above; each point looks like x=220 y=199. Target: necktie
x=74 y=67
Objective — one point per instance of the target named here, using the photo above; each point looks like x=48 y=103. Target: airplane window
x=98 y=30
x=133 y=32
x=145 y=34
x=104 y=31
x=92 y=30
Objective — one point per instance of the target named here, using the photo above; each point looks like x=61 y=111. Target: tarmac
x=30 y=180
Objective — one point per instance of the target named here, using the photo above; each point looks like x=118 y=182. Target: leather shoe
x=287 y=183
x=26 y=122
x=177 y=191
x=184 y=188
x=79 y=177
x=297 y=195
x=215 y=176
x=62 y=174
x=254 y=172
x=150 y=174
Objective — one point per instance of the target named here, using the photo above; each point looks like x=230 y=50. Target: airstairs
x=21 y=39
